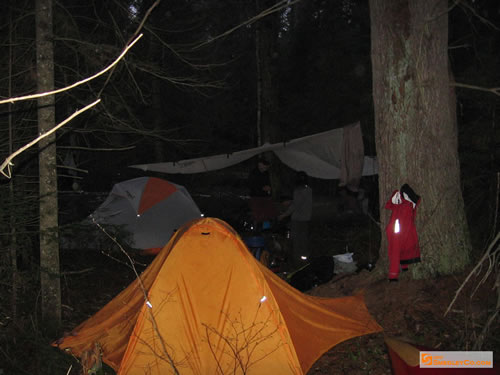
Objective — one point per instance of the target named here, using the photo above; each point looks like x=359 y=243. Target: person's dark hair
x=264 y=161
x=301 y=178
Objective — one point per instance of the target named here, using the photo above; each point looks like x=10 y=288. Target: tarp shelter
x=334 y=154
x=148 y=210
x=205 y=305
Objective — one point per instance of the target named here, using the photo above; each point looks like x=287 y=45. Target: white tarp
x=319 y=155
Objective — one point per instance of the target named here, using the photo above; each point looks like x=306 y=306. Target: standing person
x=259 y=181
x=261 y=203
x=300 y=210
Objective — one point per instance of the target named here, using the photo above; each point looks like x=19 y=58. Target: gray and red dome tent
x=148 y=209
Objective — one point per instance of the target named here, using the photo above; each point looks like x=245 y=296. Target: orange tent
x=205 y=305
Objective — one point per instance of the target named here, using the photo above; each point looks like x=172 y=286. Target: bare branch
x=183 y=81
x=69 y=176
x=146 y=16
x=96 y=148
x=266 y=12
x=493 y=90
x=146 y=298
x=109 y=67
x=8 y=164
x=490 y=253
x=72 y=168
x=65 y=273
x=180 y=56
x=481 y=18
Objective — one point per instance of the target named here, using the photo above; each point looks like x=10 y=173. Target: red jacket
x=401 y=233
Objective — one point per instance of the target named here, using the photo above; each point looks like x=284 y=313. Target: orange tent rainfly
x=205 y=305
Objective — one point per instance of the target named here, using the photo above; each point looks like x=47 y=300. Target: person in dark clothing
x=259 y=181
x=300 y=211
x=261 y=204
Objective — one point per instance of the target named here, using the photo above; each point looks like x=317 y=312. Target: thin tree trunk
x=13 y=235
x=267 y=87
x=266 y=45
x=49 y=244
x=258 y=64
x=416 y=134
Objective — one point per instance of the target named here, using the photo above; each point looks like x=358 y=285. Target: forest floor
x=412 y=310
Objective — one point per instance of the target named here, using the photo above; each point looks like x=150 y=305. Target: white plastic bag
x=344 y=263
x=345 y=258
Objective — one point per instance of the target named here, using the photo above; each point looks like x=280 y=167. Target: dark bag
x=318 y=271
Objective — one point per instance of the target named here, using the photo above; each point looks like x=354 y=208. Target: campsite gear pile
x=403 y=246
x=267 y=243
x=256 y=245
x=205 y=305
x=318 y=271
x=145 y=212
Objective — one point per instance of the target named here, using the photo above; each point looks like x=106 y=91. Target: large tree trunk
x=416 y=135
x=49 y=244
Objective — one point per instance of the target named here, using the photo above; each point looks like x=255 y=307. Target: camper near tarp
x=205 y=305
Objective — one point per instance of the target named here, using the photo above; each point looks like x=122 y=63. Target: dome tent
x=147 y=210
x=205 y=305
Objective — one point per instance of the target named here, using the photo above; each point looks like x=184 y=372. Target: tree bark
x=13 y=234
x=416 y=130
x=266 y=38
x=267 y=50
x=49 y=243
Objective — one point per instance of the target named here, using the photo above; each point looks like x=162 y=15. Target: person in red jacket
x=401 y=233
